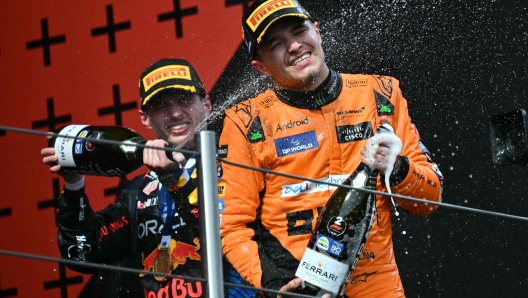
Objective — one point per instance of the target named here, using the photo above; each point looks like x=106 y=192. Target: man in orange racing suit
x=313 y=123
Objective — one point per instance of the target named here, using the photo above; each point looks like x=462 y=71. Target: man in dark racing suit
x=153 y=225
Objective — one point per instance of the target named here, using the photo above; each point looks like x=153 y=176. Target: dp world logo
x=296 y=143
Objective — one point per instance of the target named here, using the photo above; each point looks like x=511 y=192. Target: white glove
x=381 y=150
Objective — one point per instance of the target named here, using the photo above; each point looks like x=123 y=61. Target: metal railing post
x=208 y=214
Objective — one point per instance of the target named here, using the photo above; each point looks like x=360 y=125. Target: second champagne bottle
x=79 y=151
x=339 y=236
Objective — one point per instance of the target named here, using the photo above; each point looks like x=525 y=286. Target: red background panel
x=79 y=81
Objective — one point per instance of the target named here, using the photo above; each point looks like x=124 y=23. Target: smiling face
x=174 y=116
x=291 y=53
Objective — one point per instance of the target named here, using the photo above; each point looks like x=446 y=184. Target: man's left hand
x=381 y=151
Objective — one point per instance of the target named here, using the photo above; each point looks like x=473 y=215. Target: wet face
x=291 y=53
x=175 y=117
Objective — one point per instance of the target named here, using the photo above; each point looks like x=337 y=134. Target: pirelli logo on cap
x=265 y=10
x=166 y=73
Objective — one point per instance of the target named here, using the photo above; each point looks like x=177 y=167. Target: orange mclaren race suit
x=267 y=218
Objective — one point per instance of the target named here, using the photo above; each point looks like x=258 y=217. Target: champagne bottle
x=78 y=154
x=341 y=231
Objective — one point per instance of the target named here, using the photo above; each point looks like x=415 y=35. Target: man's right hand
x=293 y=285
x=157 y=160
x=290 y=286
x=50 y=159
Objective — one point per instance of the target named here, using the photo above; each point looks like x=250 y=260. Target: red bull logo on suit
x=179 y=253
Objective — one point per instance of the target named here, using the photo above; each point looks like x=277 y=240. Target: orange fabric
x=376 y=272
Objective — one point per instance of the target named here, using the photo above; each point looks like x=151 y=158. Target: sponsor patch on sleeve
x=436 y=169
x=422 y=146
x=221 y=189
x=222 y=151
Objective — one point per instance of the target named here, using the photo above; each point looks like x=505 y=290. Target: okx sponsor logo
x=296 y=143
x=352 y=133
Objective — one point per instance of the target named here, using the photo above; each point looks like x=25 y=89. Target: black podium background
x=459 y=63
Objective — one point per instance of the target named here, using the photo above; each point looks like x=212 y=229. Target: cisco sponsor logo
x=306 y=187
x=296 y=143
x=292 y=124
x=352 y=133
